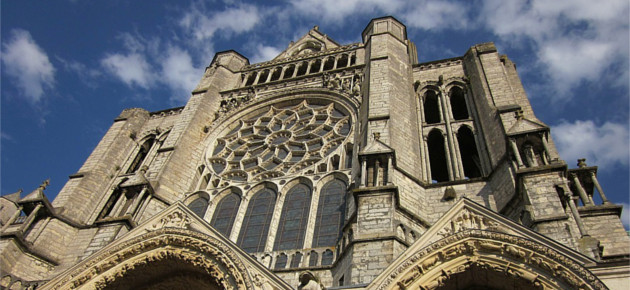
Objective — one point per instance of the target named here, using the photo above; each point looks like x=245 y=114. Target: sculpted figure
x=309 y=282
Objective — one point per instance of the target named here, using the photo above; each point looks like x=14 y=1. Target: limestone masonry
x=331 y=166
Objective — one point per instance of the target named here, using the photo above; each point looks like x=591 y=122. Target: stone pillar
x=377 y=173
x=363 y=172
x=257 y=78
x=519 y=161
x=576 y=215
x=390 y=170
x=427 y=161
x=449 y=159
x=599 y=188
x=31 y=218
x=15 y=215
x=585 y=199
x=132 y=209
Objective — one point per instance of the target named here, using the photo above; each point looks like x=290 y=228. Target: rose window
x=278 y=140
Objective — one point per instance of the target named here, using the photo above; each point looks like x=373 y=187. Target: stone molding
x=518 y=257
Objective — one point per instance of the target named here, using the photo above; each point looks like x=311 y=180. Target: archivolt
x=526 y=263
x=206 y=255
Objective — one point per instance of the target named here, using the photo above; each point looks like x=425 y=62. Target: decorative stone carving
x=468 y=220
x=308 y=281
x=176 y=219
x=530 y=262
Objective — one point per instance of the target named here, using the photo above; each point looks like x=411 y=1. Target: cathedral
x=332 y=166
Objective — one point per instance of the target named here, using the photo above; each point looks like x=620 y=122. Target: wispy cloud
x=265 y=53
x=28 y=65
x=179 y=73
x=132 y=69
x=575 y=140
x=203 y=24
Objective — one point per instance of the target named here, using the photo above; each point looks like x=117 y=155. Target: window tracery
x=278 y=140
x=293 y=220
x=225 y=213
x=255 y=227
x=330 y=214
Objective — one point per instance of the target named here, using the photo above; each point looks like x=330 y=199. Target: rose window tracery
x=279 y=139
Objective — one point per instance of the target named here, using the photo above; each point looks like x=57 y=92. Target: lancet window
x=255 y=227
x=225 y=213
x=292 y=227
x=330 y=214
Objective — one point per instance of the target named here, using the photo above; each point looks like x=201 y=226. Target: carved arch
x=198 y=254
x=501 y=257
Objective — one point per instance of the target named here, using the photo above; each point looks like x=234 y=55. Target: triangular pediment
x=524 y=125
x=174 y=233
x=470 y=234
x=312 y=42
x=376 y=147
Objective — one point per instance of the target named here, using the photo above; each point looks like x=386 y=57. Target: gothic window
x=276 y=74
x=199 y=206
x=225 y=213
x=458 y=103
x=141 y=155
x=277 y=140
x=431 y=107
x=302 y=69
x=317 y=64
x=343 y=61
x=330 y=63
x=327 y=258
x=281 y=261
x=255 y=227
x=297 y=259
x=330 y=214
x=250 y=79
x=353 y=59
x=312 y=260
x=292 y=226
x=288 y=73
x=109 y=206
x=437 y=156
x=263 y=76
x=469 y=154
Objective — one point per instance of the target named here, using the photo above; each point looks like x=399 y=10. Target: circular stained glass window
x=278 y=140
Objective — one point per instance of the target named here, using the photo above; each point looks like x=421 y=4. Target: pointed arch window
x=141 y=155
x=468 y=150
x=255 y=228
x=330 y=214
x=437 y=156
x=199 y=206
x=458 y=103
x=225 y=213
x=292 y=226
x=431 y=107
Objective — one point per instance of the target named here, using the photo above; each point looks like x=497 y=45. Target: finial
x=316 y=27
x=44 y=184
x=519 y=114
x=581 y=163
x=377 y=135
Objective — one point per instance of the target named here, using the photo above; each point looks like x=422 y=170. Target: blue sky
x=70 y=67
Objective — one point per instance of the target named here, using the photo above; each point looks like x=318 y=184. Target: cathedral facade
x=331 y=166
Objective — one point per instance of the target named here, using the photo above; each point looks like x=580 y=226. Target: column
x=390 y=169
x=599 y=188
x=377 y=171
x=427 y=160
x=132 y=209
x=576 y=215
x=449 y=161
x=458 y=155
x=13 y=218
x=257 y=78
x=363 y=172
x=31 y=218
x=284 y=69
x=119 y=203
x=519 y=161
x=546 y=155
x=580 y=189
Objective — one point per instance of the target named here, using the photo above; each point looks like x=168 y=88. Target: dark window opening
x=431 y=108
x=225 y=213
x=288 y=73
x=330 y=63
x=251 y=79
x=327 y=258
x=255 y=228
x=141 y=155
x=296 y=260
x=313 y=259
x=437 y=156
x=469 y=154
x=330 y=214
x=199 y=206
x=263 y=77
x=349 y=156
x=292 y=225
x=317 y=64
x=353 y=60
x=343 y=61
x=302 y=69
x=458 y=104
x=109 y=206
x=335 y=162
x=276 y=74
x=281 y=261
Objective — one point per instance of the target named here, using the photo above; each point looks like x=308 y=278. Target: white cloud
x=28 y=64
x=337 y=11
x=430 y=15
x=265 y=53
x=132 y=69
x=575 y=41
x=604 y=146
x=179 y=74
x=232 y=20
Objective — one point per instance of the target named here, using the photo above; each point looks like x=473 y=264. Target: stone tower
x=330 y=166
